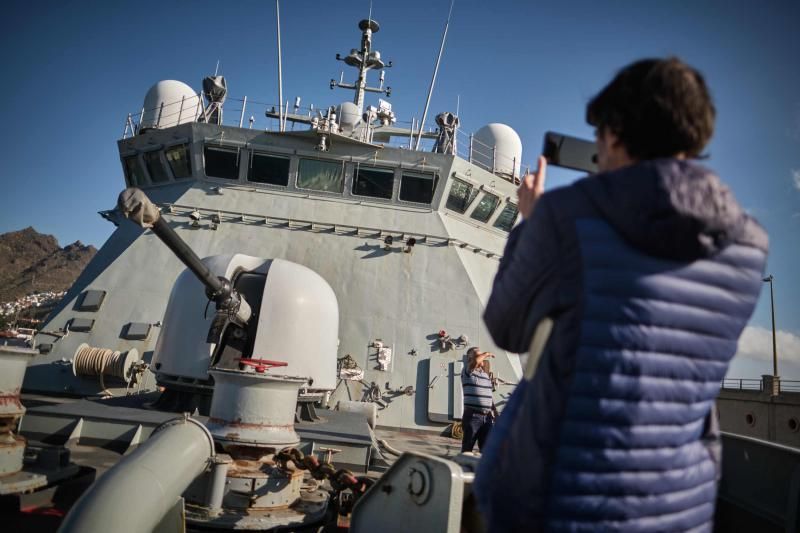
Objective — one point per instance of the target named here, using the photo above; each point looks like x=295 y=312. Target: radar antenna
x=364 y=60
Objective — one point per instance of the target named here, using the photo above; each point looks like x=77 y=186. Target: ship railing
x=238 y=112
x=247 y=113
x=742 y=384
x=467 y=147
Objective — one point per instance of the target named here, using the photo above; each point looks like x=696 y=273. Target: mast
x=281 y=112
x=364 y=60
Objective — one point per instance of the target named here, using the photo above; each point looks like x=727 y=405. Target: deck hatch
x=81 y=324
x=91 y=300
x=136 y=331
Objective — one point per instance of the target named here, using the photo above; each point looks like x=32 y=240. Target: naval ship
x=272 y=337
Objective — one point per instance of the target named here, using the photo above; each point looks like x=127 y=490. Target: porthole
x=750 y=418
x=794 y=425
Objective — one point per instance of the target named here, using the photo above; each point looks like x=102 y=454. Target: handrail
x=241 y=111
x=753 y=384
x=742 y=384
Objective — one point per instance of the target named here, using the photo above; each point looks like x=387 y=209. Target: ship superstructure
x=408 y=239
x=301 y=296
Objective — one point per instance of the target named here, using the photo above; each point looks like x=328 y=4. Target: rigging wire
x=433 y=79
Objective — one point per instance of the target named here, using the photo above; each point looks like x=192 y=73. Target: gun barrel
x=136 y=206
x=187 y=256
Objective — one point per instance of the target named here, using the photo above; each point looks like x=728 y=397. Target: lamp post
x=769 y=280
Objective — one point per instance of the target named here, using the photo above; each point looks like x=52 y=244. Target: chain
x=291 y=459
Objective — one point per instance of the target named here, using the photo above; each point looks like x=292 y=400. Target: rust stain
x=16 y=442
x=243 y=425
x=12 y=399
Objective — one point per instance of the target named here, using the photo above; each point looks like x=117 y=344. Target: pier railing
x=751 y=384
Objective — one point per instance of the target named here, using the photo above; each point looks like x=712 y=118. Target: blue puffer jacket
x=649 y=273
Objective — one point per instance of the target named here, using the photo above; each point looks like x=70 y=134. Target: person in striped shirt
x=478 y=417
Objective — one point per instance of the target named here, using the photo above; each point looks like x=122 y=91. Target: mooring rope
x=91 y=361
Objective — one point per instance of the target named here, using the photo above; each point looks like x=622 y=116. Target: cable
x=91 y=361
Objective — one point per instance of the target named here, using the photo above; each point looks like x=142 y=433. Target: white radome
x=507 y=155
x=170 y=93
x=349 y=117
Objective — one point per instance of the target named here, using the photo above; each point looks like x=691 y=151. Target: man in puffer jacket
x=649 y=271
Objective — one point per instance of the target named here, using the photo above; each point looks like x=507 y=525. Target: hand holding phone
x=531 y=188
x=570 y=152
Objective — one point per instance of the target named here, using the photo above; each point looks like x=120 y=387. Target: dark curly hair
x=657 y=108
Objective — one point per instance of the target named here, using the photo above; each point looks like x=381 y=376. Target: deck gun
x=231 y=305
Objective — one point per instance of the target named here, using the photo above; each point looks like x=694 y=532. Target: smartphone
x=570 y=152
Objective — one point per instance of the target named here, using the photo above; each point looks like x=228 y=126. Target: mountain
x=31 y=262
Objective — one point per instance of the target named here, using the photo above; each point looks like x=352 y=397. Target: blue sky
x=75 y=69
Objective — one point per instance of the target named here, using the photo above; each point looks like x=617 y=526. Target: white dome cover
x=298 y=322
x=170 y=93
x=349 y=117
x=507 y=156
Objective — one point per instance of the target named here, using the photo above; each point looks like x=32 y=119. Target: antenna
x=433 y=79
x=217 y=68
x=281 y=123
x=364 y=60
x=458 y=103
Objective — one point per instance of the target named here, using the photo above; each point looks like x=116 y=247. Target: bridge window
x=375 y=182
x=418 y=188
x=483 y=211
x=178 y=159
x=320 y=175
x=506 y=218
x=221 y=162
x=268 y=169
x=158 y=174
x=461 y=196
x=134 y=172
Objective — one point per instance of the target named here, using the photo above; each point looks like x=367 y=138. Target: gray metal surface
x=251 y=409
x=153 y=476
x=21 y=482
x=760 y=486
x=402 y=298
x=418 y=493
x=121 y=424
x=13 y=362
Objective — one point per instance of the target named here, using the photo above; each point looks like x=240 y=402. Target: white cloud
x=796 y=178
x=755 y=352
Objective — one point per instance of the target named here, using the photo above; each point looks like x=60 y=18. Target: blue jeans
x=476 y=428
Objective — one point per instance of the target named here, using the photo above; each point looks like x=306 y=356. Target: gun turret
x=136 y=206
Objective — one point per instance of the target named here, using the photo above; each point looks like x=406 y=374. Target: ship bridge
x=405 y=223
